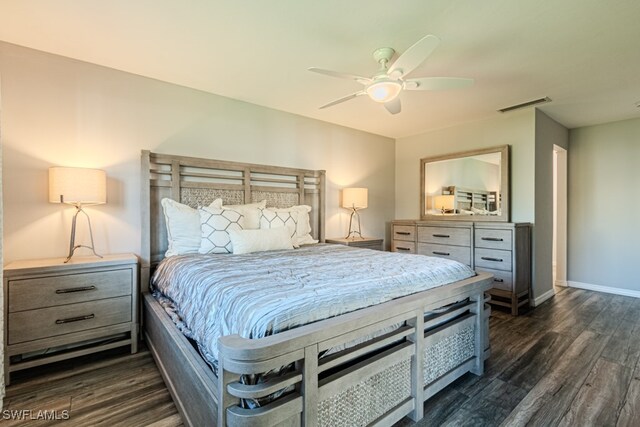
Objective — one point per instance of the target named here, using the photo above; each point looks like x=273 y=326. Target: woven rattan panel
x=367 y=400
x=276 y=200
x=448 y=354
x=195 y=197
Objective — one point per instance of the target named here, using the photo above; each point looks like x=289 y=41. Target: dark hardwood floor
x=573 y=361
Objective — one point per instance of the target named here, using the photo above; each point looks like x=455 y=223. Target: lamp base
x=72 y=241
x=351 y=231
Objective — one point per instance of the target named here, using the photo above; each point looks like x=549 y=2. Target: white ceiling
x=584 y=54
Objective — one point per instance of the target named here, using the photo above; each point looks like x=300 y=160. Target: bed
x=371 y=366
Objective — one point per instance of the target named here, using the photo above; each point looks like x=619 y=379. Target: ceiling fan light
x=384 y=91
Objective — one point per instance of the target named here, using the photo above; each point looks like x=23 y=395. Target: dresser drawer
x=404 y=232
x=456 y=253
x=494 y=259
x=445 y=235
x=28 y=294
x=52 y=321
x=493 y=239
x=404 y=247
x=501 y=279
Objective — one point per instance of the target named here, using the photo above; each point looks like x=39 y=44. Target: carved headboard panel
x=197 y=182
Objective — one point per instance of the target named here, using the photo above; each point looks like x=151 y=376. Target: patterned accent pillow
x=270 y=218
x=215 y=225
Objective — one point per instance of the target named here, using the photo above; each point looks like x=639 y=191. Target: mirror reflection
x=469 y=185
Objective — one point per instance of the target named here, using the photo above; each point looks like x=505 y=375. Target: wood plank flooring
x=572 y=361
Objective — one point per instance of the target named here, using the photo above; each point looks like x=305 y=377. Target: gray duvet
x=259 y=294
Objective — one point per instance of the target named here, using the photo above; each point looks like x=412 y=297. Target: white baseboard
x=562 y=283
x=606 y=289
x=542 y=298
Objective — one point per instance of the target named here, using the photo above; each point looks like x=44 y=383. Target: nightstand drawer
x=404 y=247
x=456 y=253
x=28 y=294
x=49 y=322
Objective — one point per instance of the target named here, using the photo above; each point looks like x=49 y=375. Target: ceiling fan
x=385 y=86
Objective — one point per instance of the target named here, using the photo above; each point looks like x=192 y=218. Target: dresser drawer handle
x=441 y=253
x=403 y=233
x=492 y=239
x=488 y=258
x=445 y=236
x=495 y=279
x=75 y=319
x=80 y=289
x=400 y=248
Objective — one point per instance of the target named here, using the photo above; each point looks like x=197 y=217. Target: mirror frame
x=504 y=185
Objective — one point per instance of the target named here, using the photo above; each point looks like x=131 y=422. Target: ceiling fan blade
x=343 y=99
x=394 y=107
x=437 y=83
x=359 y=79
x=414 y=56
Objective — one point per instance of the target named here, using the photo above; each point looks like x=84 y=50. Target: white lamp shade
x=355 y=198
x=443 y=202
x=77 y=186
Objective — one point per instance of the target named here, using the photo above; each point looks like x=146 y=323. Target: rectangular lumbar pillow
x=268 y=239
x=215 y=225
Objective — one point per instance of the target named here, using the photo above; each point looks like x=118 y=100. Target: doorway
x=559 y=216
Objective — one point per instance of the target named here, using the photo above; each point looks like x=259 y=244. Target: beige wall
x=2 y=391
x=547 y=134
x=515 y=129
x=58 y=111
x=604 y=205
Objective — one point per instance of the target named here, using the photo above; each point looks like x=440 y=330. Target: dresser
x=500 y=248
x=364 y=242
x=56 y=311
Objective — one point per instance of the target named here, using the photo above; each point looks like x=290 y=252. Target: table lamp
x=78 y=187
x=354 y=199
x=444 y=203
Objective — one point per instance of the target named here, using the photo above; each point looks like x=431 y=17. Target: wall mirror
x=467 y=186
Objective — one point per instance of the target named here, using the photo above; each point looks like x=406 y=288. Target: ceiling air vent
x=525 y=104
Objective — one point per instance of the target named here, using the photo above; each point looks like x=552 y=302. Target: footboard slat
x=247 y=391
x=364 y=348
x=257 y=367
x=280 y=411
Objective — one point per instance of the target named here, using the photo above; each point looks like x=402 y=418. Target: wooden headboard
x=197 y=182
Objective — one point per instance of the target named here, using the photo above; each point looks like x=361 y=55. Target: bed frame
x=443 y=332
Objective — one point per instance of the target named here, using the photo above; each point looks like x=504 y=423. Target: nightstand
x=365 y=242
x=55 y=311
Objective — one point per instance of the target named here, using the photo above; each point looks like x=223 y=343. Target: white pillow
x=250 y=211
x=215 y=226
x=271 y=218
x=268 y=239
x=183 y=227
x=303 y=224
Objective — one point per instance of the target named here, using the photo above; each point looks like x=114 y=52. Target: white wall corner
x=542 y=298
x=605 y=289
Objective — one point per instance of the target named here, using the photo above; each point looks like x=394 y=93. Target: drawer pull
x=441 y=253
x=445 y=236
x=495 y=279
x=402 y=249
x=488 y=258
x=403 y=233
x=80 y=289
x=75 y=319
x=493 y=239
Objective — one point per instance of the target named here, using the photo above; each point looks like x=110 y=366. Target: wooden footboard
x=374 y=381
x=378 y=380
